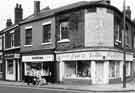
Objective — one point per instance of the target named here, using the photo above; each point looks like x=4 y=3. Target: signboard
x=12 y=56
x=97 y=55
x=36 y=58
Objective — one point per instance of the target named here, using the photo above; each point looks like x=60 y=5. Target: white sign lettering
x=35 y=58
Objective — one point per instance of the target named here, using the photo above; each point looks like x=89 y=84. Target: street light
x=124 y=51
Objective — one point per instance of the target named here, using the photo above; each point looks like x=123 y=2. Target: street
x=20 y=89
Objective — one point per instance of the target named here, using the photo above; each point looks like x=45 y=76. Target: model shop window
x=28 y=36
x=77 y=69
x=114 y=70
x=64 y=31
x=46 y=33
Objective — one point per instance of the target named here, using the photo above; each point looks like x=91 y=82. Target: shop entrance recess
x=99 y=72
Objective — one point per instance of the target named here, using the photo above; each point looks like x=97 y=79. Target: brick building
x=77 y=43
x=11 y=47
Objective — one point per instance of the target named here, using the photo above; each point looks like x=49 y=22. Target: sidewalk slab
x=92 y=88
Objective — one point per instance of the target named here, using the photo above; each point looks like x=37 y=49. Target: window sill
x=27 y=45
x=46 y=43
x=63 y=40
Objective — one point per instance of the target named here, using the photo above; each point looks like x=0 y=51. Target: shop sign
x=98 y=55
x=36 y=58
x=17 y=56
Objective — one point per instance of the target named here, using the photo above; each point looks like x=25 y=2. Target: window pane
x=28 y=37
x=112 y=69
x=47 y=33
x=64 y=30
x=83 y=69
x=70 y=69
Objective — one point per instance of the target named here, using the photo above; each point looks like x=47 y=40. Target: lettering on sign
x=37 y=57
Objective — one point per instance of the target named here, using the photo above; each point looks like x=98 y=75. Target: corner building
x=79 y=43
x=89 y=44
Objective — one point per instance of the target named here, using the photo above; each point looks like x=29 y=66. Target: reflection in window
x=114 y=69
x=28 y=36
x=77 y=69
x=46 y=33
x=64 y=30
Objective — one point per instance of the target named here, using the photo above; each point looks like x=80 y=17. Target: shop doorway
x=10 y=70
x=99 y=79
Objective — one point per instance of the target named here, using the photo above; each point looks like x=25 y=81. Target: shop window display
x=77 y=69
x=114 y=70
x=35 y=69
x=128 y=68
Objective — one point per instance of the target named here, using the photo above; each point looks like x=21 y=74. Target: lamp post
x=124 y=50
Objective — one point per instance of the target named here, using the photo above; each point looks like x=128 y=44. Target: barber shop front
x=42 y=65
x=93 y=67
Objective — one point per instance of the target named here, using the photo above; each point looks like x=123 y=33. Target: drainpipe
x=3 y=58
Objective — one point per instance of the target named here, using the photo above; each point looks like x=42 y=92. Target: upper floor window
x=127 y=36
x=117 y=31
x=64 y=31
x=12 y=39
x=47 y=33
x=28 y=36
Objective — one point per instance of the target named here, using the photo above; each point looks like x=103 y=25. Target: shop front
x=99 y=67
x=12 y=62
x=42 y=65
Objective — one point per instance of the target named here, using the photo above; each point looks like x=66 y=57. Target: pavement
x=130 y=86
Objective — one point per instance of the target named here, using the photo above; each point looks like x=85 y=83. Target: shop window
x=46 y=69
x=35 y=69
x=128 y=68
x=114 y=70
x=10 y=67
x=28 y=36
x=77 y=69
x=64 y=31
x=46 y=33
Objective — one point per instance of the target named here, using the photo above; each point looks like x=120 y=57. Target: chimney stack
x=36 y=8
x=18 y=13
x=9 y=22
x=128 y=12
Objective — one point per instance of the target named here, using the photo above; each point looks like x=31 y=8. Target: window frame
x=26 y=29
x=60 y=32
x=45 y=24
x=116 y=68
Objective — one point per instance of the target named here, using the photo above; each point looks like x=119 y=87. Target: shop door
x=99 y=73
x=10 y=70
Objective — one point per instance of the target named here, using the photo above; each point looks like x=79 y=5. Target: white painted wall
x=99 y=28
